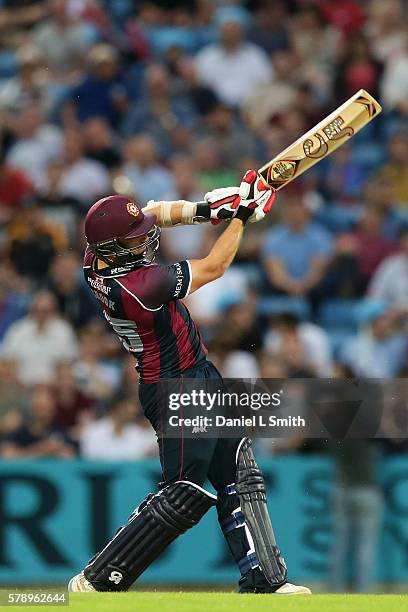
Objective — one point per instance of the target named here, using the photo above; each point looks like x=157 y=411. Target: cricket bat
x=321 y=140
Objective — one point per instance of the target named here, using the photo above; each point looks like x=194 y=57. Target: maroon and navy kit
x=142 y=303
x=143 y=307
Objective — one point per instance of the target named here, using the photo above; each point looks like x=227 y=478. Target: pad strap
x=159 y=520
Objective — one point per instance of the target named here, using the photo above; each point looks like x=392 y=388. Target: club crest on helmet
x=132 y=209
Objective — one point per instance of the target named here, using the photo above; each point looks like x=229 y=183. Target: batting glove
x=256 y=198
x=218 y=204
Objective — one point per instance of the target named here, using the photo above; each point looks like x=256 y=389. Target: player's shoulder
x=142 y=282
x=150 y=277
x=158 y=284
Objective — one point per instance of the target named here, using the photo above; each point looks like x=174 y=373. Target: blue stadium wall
x=54 y=514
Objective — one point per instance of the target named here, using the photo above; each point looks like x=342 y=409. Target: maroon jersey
x=143 y=307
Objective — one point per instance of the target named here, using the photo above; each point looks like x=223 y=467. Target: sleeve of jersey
x=162 y=284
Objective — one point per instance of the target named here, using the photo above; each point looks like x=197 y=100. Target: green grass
x=227 y=602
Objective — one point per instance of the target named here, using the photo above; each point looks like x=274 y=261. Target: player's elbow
x=220 y=270
x=214 y=268
x=205 y=271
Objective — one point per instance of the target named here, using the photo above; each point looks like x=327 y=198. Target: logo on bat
x=282 y=171
x=334 y=130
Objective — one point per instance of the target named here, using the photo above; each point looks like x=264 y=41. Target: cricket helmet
x=114 y=219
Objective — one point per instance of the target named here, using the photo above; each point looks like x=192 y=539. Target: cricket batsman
x=142 y=302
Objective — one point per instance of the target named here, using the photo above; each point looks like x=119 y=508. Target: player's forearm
x=178 y=212
x=213 y=266
x=225 y=248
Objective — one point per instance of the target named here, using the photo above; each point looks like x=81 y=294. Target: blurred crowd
x=167 y=100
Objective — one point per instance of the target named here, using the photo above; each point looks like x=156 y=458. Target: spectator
x=180 y=242
x=121 y=435
x=293 y=122
x=33 y=241
x=233 y=363
x=347 y=16
x=211 y=171
x=390 y=281
x=240 y=328
x=272 y=365
x=96 y=375
x=176 y=33
x=233 y=67
x=356 y=69
x=74 y=299
x=380 y=193
x=357 y=506
x=294 y=357
x=368 y=245
x=15 y=187
x=343 y=278
x=14 y=399
x=160 y=112
x=62 y=39
x=206 y=306
x=202 y=97
x=63 y=210
x=230 y=139
x=37 y=144
x=73 y=407
x=16 y=18
x=394 y=82
x=385 y=29
x=237 y=337
x=268 y=100
x=38 y=341
x=83 y=179
x=343 y=177
x=14 y=296
x=100 y=144
x=315 y=41
x=379 y=350
x=396 y=169
x=102 y=90
x=150 y=180
x=185 y=179
x=129 y=381
x=314 y=340
x=269 y=29
x=297 y=251
x=31 y=85
x=39 y=436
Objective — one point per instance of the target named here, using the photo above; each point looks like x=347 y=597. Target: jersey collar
x=113 y=272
